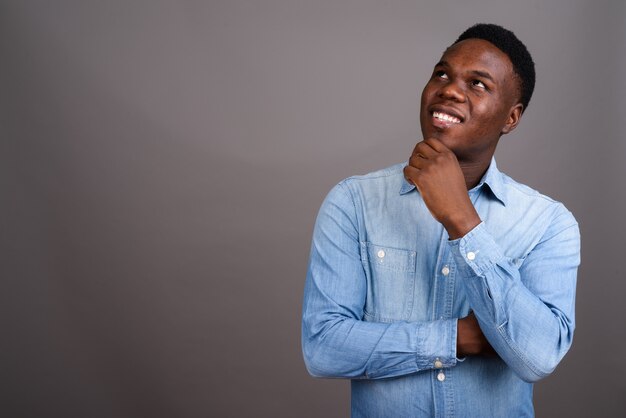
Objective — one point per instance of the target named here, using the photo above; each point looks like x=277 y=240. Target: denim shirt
x=385 y=287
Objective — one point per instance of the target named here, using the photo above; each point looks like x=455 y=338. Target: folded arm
x=525 y=311
x=336 y=342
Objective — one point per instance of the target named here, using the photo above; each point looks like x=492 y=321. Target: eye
x=479 y=84
x=441 y=74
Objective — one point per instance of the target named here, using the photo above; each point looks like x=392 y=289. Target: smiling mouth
x=445 y=118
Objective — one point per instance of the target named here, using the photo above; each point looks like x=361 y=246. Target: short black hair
x=507 y=42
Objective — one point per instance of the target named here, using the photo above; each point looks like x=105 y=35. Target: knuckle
x=447 y=157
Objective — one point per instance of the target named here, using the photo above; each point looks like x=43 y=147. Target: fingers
x=436 y=145
x=422 y=153
x=410 y=173
x=427 y=149
x=423 y=150
x=426 y=154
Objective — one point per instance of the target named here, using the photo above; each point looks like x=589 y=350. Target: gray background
x=162 y=164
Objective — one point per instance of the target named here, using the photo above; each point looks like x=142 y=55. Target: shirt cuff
x=438 y=340
x=476 y=252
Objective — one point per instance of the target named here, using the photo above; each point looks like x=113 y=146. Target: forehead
x=479 y=55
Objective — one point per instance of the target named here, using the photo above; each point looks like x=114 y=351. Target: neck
x=474 y=171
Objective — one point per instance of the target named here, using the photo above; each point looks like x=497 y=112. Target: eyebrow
x=483 y=74
x=478 y=73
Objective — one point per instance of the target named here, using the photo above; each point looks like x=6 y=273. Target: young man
x=442 y=287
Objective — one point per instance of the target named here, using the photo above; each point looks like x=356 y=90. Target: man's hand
x=470 y=340
x=436 y=173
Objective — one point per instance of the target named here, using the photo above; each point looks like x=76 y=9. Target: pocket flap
x=391 y=258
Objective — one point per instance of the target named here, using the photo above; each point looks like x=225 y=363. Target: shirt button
x=381 y=253
x=445 y=270
x=471 y=256
x=441 y=377
x=438 y=364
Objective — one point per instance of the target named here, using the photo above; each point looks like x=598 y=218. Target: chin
x=441 y=134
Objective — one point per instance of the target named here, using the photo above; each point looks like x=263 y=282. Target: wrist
x=458 y=226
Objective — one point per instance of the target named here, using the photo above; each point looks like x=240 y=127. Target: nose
x=452 y=91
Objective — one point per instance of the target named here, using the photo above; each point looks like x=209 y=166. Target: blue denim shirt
x=385 y=287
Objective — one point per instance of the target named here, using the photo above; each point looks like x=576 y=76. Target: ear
x=515 y=114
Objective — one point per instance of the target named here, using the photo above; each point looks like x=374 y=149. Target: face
x=471 y=99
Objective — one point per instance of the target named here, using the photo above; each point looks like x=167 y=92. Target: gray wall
x=162 y=164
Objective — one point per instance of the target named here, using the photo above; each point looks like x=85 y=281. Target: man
x=442 y=287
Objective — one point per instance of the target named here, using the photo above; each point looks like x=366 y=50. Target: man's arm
x=526 y=313
x=336 y=341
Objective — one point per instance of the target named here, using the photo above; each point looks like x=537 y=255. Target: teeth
x=445 y=117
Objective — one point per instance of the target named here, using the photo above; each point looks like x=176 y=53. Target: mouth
x=445 y=118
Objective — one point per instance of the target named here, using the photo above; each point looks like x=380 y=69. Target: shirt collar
x=492 y=178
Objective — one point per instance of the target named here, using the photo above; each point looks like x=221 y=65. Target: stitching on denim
x=380 y=318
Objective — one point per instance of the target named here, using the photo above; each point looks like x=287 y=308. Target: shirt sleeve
x=336 y=342
x=525 y=308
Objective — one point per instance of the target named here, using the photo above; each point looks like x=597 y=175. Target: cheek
x=427 y=93
x=423 y=100
x=489 y=116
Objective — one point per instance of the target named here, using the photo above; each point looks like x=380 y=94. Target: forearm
x=529 y=333
x=336 y=340
x=529 y=336
x=341 y=347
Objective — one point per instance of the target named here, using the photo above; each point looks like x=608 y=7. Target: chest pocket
x=390 y=276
